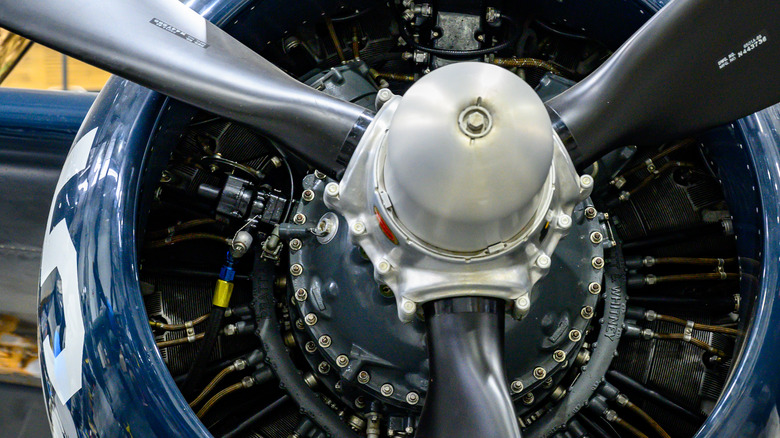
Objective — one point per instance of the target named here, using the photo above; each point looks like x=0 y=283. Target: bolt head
x=311 y=347
x=325 y=341
x=586 y=181
x=528 y=398
x=590 y=213
x=387 y=390
x=559 y=356
x=299 y=218
x=295 y=244
x=308 y=195
x=540 y=373
x=594 y=288
x=301 y=295
x=575 y=335
x=516 y=386
x=412 y=398
x=597 y=262
x=587 y=312
x=363 y=377
x=409 y=306
x=323 y=368
x=543 y=261
x=332 y=189
x=564 y=221
x=475 y=121
x=596 y=237
x=383 y=267
x=342 y=361
x=310 y=319
x=296 y=269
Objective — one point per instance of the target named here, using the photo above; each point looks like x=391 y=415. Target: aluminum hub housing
x=445 y=203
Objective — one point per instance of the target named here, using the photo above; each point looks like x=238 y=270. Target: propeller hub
x=469 y=153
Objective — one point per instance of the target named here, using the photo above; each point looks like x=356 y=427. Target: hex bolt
x=311 y=347
x=310 y=319
x=325 y=341
x=586 y=181
x=308 y=195
x=516 y=386
x=587 y=312
x=363 y=377
x=323 y=368
x=564 y=221
x=597 y=262
x=540 y=373
x=332 y=189
x=296 y=269
x=575 y=335
x=594 y=288
x=299 y=218
x=342 y=361
x=590 y=213
x=412 y=398
x=559 y=356
x=295 y=244
x=299 y=324
x=475 y=121
x=596 y=237
x=358 y=228
x=387 y=390
x=543 y=261
x=301 y=294
x=528 y=398
x=319 y=175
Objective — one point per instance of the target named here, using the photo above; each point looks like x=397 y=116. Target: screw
x=590 y=213
x=559 y=356
x=387 y=390
x=299 y=218
x=310 y=319
x=528 y=398
x=363 y=377
x=308 y=195
x=516 y=386
x=295 y=244
x=540 y=373
x=301 y=294
x=587 y=312
x=342 y=361
x=323 y=368
x=325 y=341
x=311 y=347
x=597 y=262
x=296 y=270
x=412 y=398
x=575 y=335
x=594 y=288
x=596 y=237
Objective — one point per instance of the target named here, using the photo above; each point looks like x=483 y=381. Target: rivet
x=308 y=195
x=295 y=244
x=342 y=361
x=301 y=294
x=387 y=390
x=516 y=386
x=363 y=377
x=597 y=262
x=575 y=335
x=594 y=288
x=310 y=319
x=596 y=237
x=296 y=270
x=412 y=398
x=559 y=356
x=325 y=341
x=540 y=373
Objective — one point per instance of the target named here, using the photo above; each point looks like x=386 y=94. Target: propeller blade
x=165 y=46
x=468 y=395
x=694 y=65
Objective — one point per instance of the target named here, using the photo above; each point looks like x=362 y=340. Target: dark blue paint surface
x=126 y=387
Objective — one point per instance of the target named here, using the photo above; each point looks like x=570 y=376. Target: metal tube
x=624 y=381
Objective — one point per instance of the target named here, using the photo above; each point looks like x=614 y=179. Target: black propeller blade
x=694 y=65
x=164 y=45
